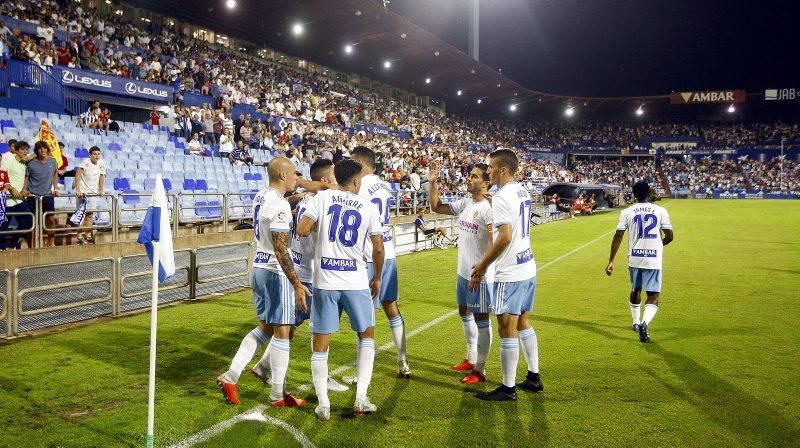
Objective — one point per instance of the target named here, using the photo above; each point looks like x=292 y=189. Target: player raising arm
x=475 y=236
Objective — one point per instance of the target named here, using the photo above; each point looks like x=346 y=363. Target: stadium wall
x=27 y=99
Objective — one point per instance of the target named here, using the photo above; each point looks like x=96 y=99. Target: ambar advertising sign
x=709 y=96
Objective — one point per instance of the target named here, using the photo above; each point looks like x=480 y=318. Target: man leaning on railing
x=15 y=197
x=89 y=179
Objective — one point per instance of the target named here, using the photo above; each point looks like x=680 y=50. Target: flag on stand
x=47 y=135
x=157 y=240
x=156 y=228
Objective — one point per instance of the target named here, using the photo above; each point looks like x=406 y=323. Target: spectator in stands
x=155 y=117
x=240 y=155
x=15 y=198
x=89 y=180
x=226 y=144
x=41 y=185
x=195 y=147
x=441 y=237
x=103 y=120
x=245 y=132
x=209 y=133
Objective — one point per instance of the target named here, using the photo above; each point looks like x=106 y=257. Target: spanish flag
x=47 y=135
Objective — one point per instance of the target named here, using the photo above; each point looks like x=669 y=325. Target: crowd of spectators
x=159 y=53
x=766 y=176
x=706 y=173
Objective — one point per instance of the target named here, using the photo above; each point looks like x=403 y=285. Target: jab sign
x=715 y=96
x=85 y=79
x=780 y=94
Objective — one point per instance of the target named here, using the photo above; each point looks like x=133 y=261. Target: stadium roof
x=378 y=34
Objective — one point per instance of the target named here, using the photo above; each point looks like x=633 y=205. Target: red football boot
x=463 y=366
x=473 y=378
x=288 y=401
x=229 y=390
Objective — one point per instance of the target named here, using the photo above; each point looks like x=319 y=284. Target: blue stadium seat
x=3 y=148
x=216 y=211
x=159 y=150
x=114 y=147
x=257 y=176
x=189 y=185
x=131 y=200
x=201 y=185
x=203 y=211
x=149 y=184
x=122 y=184
x=167 y=184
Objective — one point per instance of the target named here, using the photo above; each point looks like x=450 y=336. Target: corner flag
x=156 y=229
x=157 y=240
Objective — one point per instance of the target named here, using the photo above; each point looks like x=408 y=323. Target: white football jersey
x=473 y=236
x=271 y=213
x=511 y=206
x=644 y=222
x=378 y=192
x=345 y=221
x=303 y=247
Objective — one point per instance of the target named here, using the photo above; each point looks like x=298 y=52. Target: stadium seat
x=122 y=184
x=201 y=185
x=189 y=185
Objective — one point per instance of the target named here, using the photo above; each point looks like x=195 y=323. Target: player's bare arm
x=615 y=243
x=315 y=186
x=668 y=236
x=433 y=193
x=306 y=226
x=377 y=260
x=281 y=242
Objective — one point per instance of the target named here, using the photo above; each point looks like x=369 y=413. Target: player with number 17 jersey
x=511 y=205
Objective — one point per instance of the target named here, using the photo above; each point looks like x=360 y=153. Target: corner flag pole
x=151 y=387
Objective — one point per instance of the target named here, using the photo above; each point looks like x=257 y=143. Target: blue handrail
x=32 y=76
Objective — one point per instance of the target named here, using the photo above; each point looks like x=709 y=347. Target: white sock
x=319 y=375
x=650 y=310
x=530 y=347
x=471 y=335
x=366 y=359
x=509 y=358
x=399 y=335
x=247 y=349
x=358 y=352
x=635 y=312
x=279 y=362
x=264 y=361
x=484 y=344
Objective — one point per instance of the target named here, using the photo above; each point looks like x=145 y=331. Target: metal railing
x=119 y=213
x=42 y=297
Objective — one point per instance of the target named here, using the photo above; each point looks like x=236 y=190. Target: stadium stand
x=283 y=110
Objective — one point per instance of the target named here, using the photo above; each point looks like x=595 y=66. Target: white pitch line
x=257 y=413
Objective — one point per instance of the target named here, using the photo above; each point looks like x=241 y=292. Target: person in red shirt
x=103 y=119
x=155 y=118
x=63 y=54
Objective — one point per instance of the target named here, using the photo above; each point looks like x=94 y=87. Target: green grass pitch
x=722 y=370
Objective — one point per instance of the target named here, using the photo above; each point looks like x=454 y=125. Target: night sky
x=626 y=47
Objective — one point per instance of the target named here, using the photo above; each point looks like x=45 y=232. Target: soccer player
x=277 y=291
x=515 y=276
x=474 y=236
x=646 y=222
x=343 y=221
x=303 y=257
x=378 y=192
